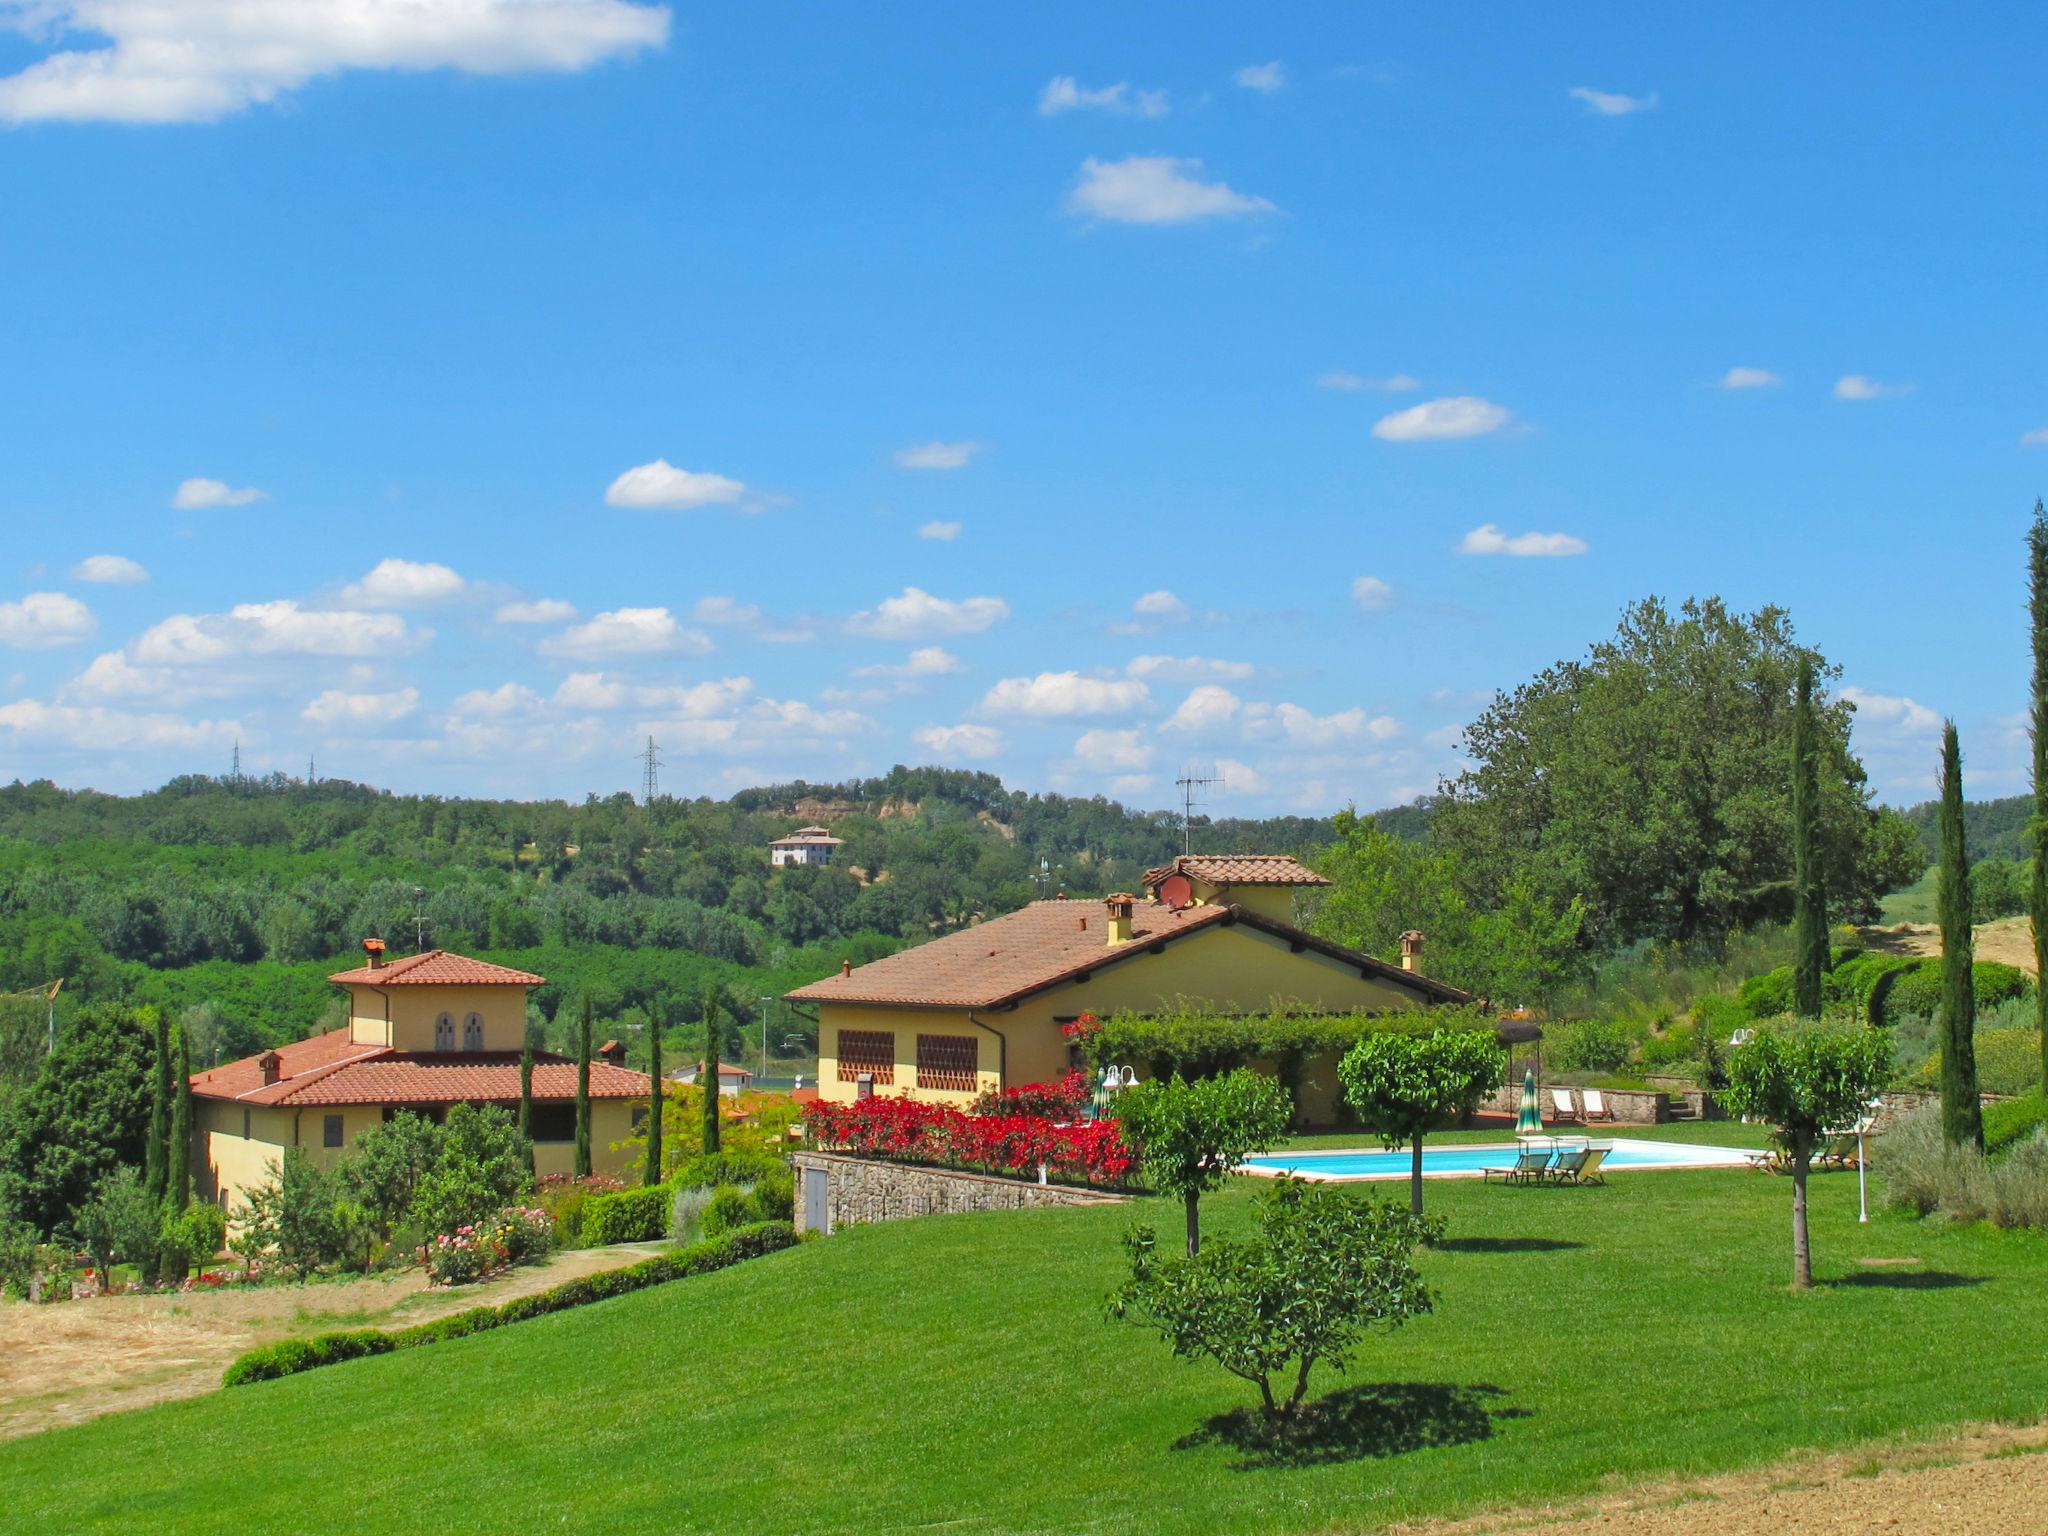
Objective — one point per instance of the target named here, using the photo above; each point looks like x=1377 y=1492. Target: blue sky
x=459 y=392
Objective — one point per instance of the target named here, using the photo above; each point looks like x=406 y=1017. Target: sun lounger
x=1532 y=1161
x=1592 y=1106
x=1561 y=1104
x=1588 y=1169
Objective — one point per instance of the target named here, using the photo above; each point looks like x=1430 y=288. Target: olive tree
x=1190 y=1135
x=1325 y=1267
x=1404 y=1085
x=1803 y=1080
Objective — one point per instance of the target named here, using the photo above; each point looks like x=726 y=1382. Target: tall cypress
x=583 y=1092
x=155 y=1161
x=1809 y=899
x=178 y=1150
x=1962 y=1117
x=654 y=1096
x=2037 y=827
x=707 y=1078
x=526 y=1094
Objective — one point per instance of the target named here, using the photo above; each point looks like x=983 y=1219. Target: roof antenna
x=1189 y=784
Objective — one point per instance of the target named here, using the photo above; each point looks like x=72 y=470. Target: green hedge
x=1199 y=1044
x=295 y=1355
x=2008 y=1061
x=642 y=1215
x=1918 y=993
x=2011 y=1121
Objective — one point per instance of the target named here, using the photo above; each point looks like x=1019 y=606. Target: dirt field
x=2009 y=941
x=1988 y=1482
x=60 y=1364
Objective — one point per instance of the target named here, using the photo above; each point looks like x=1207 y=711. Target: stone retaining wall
x=859 y=1189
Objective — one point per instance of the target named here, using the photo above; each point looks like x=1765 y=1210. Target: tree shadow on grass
x=1504 y=1245
x=1373 y=1419
x=1907 y=1280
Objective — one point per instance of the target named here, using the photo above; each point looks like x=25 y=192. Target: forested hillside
x=1992 y=829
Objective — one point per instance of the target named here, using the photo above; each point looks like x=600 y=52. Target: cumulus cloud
x=395 y=583
x=538 y=610
x=925 y=661
x=959 y=741
x=1163 y=606
x=661 y=487
x=505 y=699
x=1893 y=709
x=337 y=707
x=2038 y=438
x=1266 y=78
x=1304 y=728
x=1372 y=594
x=1103 y=751
x=1156 y=189
x=1205 y=709
x=114 y=570
x=199 y=493
x=280 y=628
x=627 y=632
x=600 y=693
x=915 y=613
x=1748 y=378
x=1858 y=386
x=1487 y=539
x=1063 y=93
x=729 y=612
x=1453 y=416
x=1612 y=103
x=1063 y=695
x=1186 y=669
x=1240 y=778
x=43 y=620
x=99 y=729
x=944 y=532
x=936 y=455
x=1393 y=384
x=200 y=60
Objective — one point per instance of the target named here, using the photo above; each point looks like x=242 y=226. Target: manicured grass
x=1715 y=1133
x=959 y=1370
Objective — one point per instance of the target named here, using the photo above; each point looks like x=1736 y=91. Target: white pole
x=1862 y=1192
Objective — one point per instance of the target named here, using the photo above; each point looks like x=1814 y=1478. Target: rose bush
x=906 y=1130
x=473 y=1250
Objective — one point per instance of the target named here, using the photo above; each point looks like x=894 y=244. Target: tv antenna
x=650 y=778
x=1190 y=784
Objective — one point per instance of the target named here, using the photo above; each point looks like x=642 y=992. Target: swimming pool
x=1468 y=1161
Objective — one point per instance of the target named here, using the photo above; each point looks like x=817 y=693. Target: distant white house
x=732 y=1081
x=806 y=845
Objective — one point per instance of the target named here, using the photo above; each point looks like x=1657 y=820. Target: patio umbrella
x=1530 y=1121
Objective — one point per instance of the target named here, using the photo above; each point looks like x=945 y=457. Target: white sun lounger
x=1593 y=1106
x=1561 y=1102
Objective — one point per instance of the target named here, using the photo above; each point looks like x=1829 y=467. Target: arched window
x=473 y=1032
x=444 y=1032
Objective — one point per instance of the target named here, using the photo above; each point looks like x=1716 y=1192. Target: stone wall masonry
x=860 y=1189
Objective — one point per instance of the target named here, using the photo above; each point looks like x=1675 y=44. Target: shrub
x=482 y=1167
x=2008 y=1061
x=1924 y=1175
x=731 y=1207
x=910 y=1131
x=1677 y=1046
x=17 y=1256
x=120 y=1223
x=1067 y=1099
x=514 y=1235
x=2013 y=1120
x=686 y=1212
x=712 y=1168
x=1589 y=1045
x=1768 y=995
x=1720 y=1015
x=566 y=1199
x=194 y=1236
x=631 y=1216
x=1851 y=984
x=775 y=1196
x=1918 y=993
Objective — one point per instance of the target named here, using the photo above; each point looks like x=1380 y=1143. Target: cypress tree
x=1962 y=1117
x=707 y=1079
x=178 y=1158
x=654 y=1097
x=583 y=1092
x=526 y=1094
x=1809 y=901
x=2037 y=827
x=155 y=1161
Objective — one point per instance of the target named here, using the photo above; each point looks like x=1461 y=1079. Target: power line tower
x=235 y=772
x=312 y=771
x=1191 y=784
x=650 y=778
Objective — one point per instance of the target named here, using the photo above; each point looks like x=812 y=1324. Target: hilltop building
x=983 y=1007
x=732 y=1081
x=806 y=845
x=425 y=1032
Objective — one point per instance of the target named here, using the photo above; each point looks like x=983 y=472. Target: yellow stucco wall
x=413 y=1011
x=1230 y=969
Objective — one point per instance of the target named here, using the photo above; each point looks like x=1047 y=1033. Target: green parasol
x=1530 y=1121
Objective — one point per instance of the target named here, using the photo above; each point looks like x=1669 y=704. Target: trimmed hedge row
x=295 y=1355
x=641 y=1215
x=2011 y=1121
x=1918 y=993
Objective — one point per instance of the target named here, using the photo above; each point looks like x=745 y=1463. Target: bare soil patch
x=2009 y=941
x=75 y=1360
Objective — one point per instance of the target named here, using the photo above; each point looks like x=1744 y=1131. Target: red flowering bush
x=1067 y=1099
x=472 y=1251
x=906 y=1130
x=1082 y=1027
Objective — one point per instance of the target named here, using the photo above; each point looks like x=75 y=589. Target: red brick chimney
x=374 y=948
x=613 y=1052
x=270 y=1064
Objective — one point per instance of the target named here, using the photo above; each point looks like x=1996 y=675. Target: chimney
x=1084 y=925
x=846 y=967
x=1411 y=950
x=613 y=1052
x=1120 y=906
x=269 y=1064
x=374 y=948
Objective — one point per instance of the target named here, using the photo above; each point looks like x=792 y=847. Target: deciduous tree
x=1407 y=1085
x=1190 y=1135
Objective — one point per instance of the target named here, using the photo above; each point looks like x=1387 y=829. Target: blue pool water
x=1448 y=1161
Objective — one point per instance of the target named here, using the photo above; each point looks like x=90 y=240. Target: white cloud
x=505 y=699
x=1304 y=728
x=1393 y=383
x=539 y=610
x=937 y=455
x=959 y=741
x=339 y=707
x=1186 y=669
x=1206 y=708
x=727 y=611
x=1487 y=539
x=1063 y=695
x=661 y=487
x=1240 y=778
x=627 y=632
x=925 y=661
x=1161 y=605
x=198 y=493
x=95 y=729
x=944 y=532
x=1445 y=737
x=199 y=60
x=1857 y=386
x=1266 y=78
x=1453 y=416
x=915 y=613
x=1890 y=709
x=280 y=628
x=42 y=620
x=602 y=694
x=114 y=570
x=1063 y=93
x=1112 y=751
x=1748 y=378
x=395 y=583
x=1612 y=103
x=2038 y=438
x=1156 y=189
x=1372 y=594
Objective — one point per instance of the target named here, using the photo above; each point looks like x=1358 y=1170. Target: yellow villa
x=424 y=1032
x=983 y=1007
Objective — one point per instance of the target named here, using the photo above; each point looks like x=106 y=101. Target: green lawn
x=959 y=1370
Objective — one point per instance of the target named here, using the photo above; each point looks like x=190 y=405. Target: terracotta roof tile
x=329 y=1069
x=235 y=1079
x=1238 y=869
x=437 y=968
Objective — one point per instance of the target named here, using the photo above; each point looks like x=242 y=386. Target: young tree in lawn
x=1809 y=899
x=583 y=1091
x=526 y=1094
x=156 y=1163
x=654 y=1024
x=1190 y=1135
x=1803 y=1079
x=1325 y=1268
x=1405 y=1085
x=2037 y=828
x=707 y=1076
x=1962 y=1115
